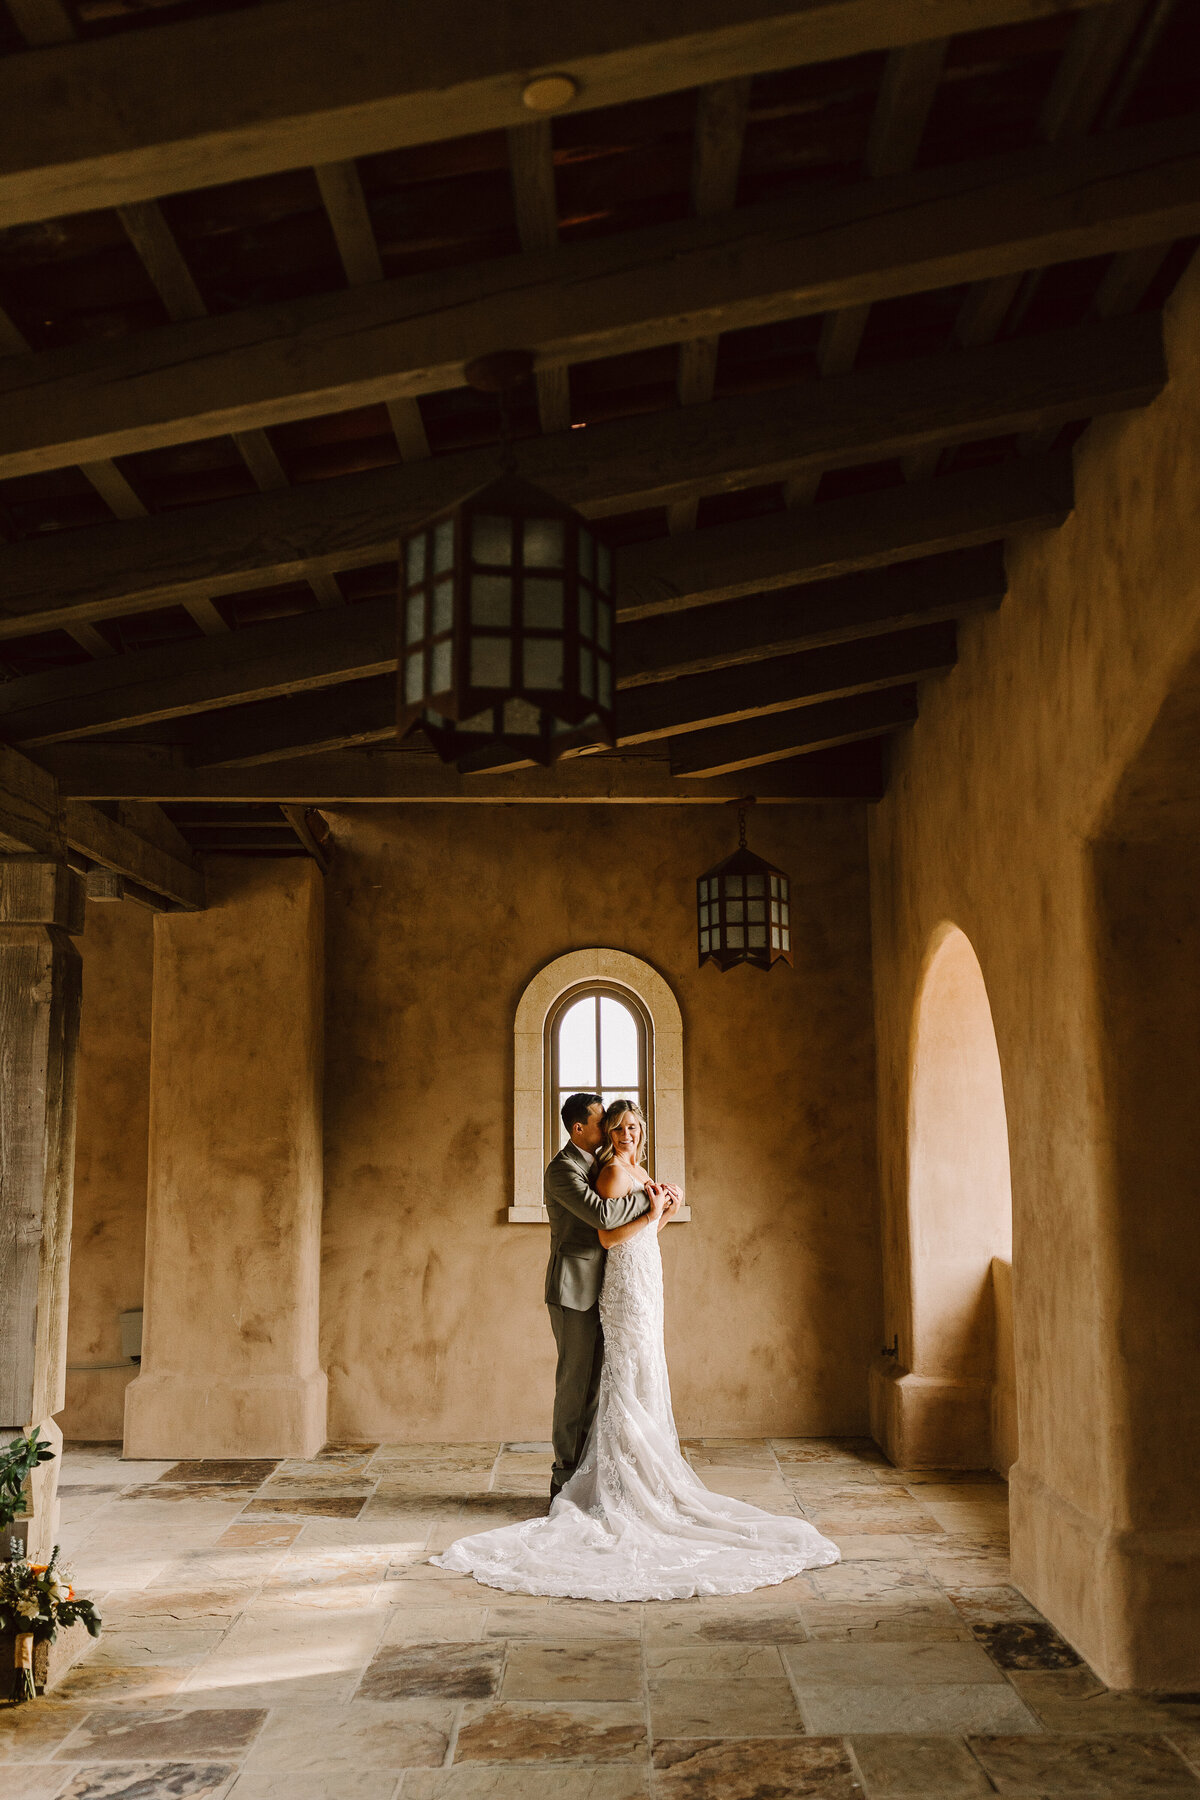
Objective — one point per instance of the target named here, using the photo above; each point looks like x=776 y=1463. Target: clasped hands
x=665 y=1199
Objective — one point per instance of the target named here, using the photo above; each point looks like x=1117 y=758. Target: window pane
x=491 y=600
x=577 y=1046
x=618 y=1043
x=491 y=539
x=543 y=662
x=544 y=602
x=544 y=543
x=443 y=545
x=490 y=662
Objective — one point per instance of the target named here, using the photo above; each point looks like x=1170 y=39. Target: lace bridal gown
x=634 y=1522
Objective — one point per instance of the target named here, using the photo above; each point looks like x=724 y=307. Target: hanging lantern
x=506 y=619
x=743 y=910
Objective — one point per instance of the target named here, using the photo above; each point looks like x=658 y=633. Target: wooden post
x=41 y=908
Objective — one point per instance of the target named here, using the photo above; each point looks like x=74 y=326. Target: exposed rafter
x=253 y=369
x=792 y=737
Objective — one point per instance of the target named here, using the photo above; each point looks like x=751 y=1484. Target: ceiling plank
x=656 y=650
x=250 y=370
x=864 y=531
x=728 y=749
x=387 y=775
x=353 y=522
x=729 y=696
x=108 y=121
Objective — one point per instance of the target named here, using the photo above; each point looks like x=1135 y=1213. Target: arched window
x=594 y=1021
x=599 y=1039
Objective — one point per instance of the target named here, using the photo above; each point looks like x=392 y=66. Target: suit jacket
x=577 y=1213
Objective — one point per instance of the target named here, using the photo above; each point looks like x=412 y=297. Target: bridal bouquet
x=35 y=1599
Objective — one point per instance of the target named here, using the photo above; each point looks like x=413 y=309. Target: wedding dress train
x=634 y=1522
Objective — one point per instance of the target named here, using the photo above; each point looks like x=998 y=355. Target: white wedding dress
x=634 y=1522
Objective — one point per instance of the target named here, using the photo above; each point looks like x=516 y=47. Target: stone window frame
x=664 y=1059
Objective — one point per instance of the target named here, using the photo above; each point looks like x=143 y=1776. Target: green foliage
x=37 y=1598
x=17 y=1464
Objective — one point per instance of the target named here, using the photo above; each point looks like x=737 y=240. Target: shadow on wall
x=949 y=1400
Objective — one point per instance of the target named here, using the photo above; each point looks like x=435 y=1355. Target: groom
x=573 y=1278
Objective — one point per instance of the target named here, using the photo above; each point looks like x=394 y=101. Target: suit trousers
x=580 y=1343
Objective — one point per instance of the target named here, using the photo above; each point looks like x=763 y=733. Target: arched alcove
x=952 y=1394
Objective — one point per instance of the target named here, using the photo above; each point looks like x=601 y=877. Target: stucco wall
x=109 y=1231
x=994 y=801
x=432 y=1319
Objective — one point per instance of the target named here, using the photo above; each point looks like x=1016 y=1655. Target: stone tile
x=162 y=1733
x=1077 y=1700
x=918 y=1768
x=948 y=1478
x=345 y=1784
x=843 y=1521
x=33 y=1733
x=492 y=1781
x=363 y=1735
x=149 y=1781
x=33 y=1781
x=1026 y=1644
x=442 y=1672
x=753 y=1769
x=714 y=1662
x=400 y=1539
x=1186 y=1740
x=212 y=1567
x=434 y=1625
x=876 y=1665
x=928 y=1707
x=1050 y=1764
x=253 y=1531
x=158 y=1644
x=680 y=1709
x=730 y=1453
x=254 y=1470
x=993 y=1605
x=210 y=1608
x=475 y=1455
x=563 y=1619
x=893 y=1618
x=861 y=1451
x=867 y=1581
x=580 y=1669
x=988 y=1516
x=581 y=1733
x=330 y=1567
x=87 y=1681
x=873 y=1546
x=304 y=1506
x=291 y=1691
x=682 y=1622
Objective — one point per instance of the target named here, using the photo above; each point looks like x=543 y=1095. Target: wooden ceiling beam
x=249 y=370
x=531 y=166
x=353 y=522
x=388 y=775
x=103 y=840
x=729 y=696
x=109 y=121
x=728 y=750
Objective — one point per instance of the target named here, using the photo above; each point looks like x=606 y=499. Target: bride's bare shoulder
x=612 y=1181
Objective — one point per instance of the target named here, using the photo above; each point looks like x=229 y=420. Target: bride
x=634 y=1522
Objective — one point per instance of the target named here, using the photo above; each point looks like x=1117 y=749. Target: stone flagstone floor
x=272 y=1631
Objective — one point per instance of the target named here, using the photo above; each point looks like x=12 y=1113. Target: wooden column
x=41 y=908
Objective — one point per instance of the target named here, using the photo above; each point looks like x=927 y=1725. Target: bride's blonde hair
x=617 y=1110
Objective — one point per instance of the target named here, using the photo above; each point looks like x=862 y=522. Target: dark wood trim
x=728 y=750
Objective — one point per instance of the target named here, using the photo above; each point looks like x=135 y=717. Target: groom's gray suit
x=573 y=1277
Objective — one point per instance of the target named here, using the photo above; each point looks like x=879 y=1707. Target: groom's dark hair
x=576 y=1108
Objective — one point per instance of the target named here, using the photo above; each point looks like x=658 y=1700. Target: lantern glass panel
x=704 y=940
x=544 y=543
x=414 y=619
x=443 y=545
x=716 y=939
x=735 y=911
x=414 y=678
x=491 y=600
x=757 y=937
x=443 y=607
x=787 y=940
x=756 y=909
x=754 y=882
x=483 y=721
x=784 y=914
x=414 y=559
x=585 y=612
x=522 y=718
x=733 y=885
x=604 y=624
x=774 y=887
x=543 y=602
x=587 y=554
x=491 y=662
x=734 y=936
x=774 y=937
x=774 y=912
x=587 y=676
x=491 y=538
x=604 y=681
x=543 y=663
x=441 y=669
x=604 y=567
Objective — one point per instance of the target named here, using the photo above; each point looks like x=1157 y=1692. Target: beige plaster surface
x=109 y=1227
x=230 y=1354
x=1014 y=770
x=433 y=1325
